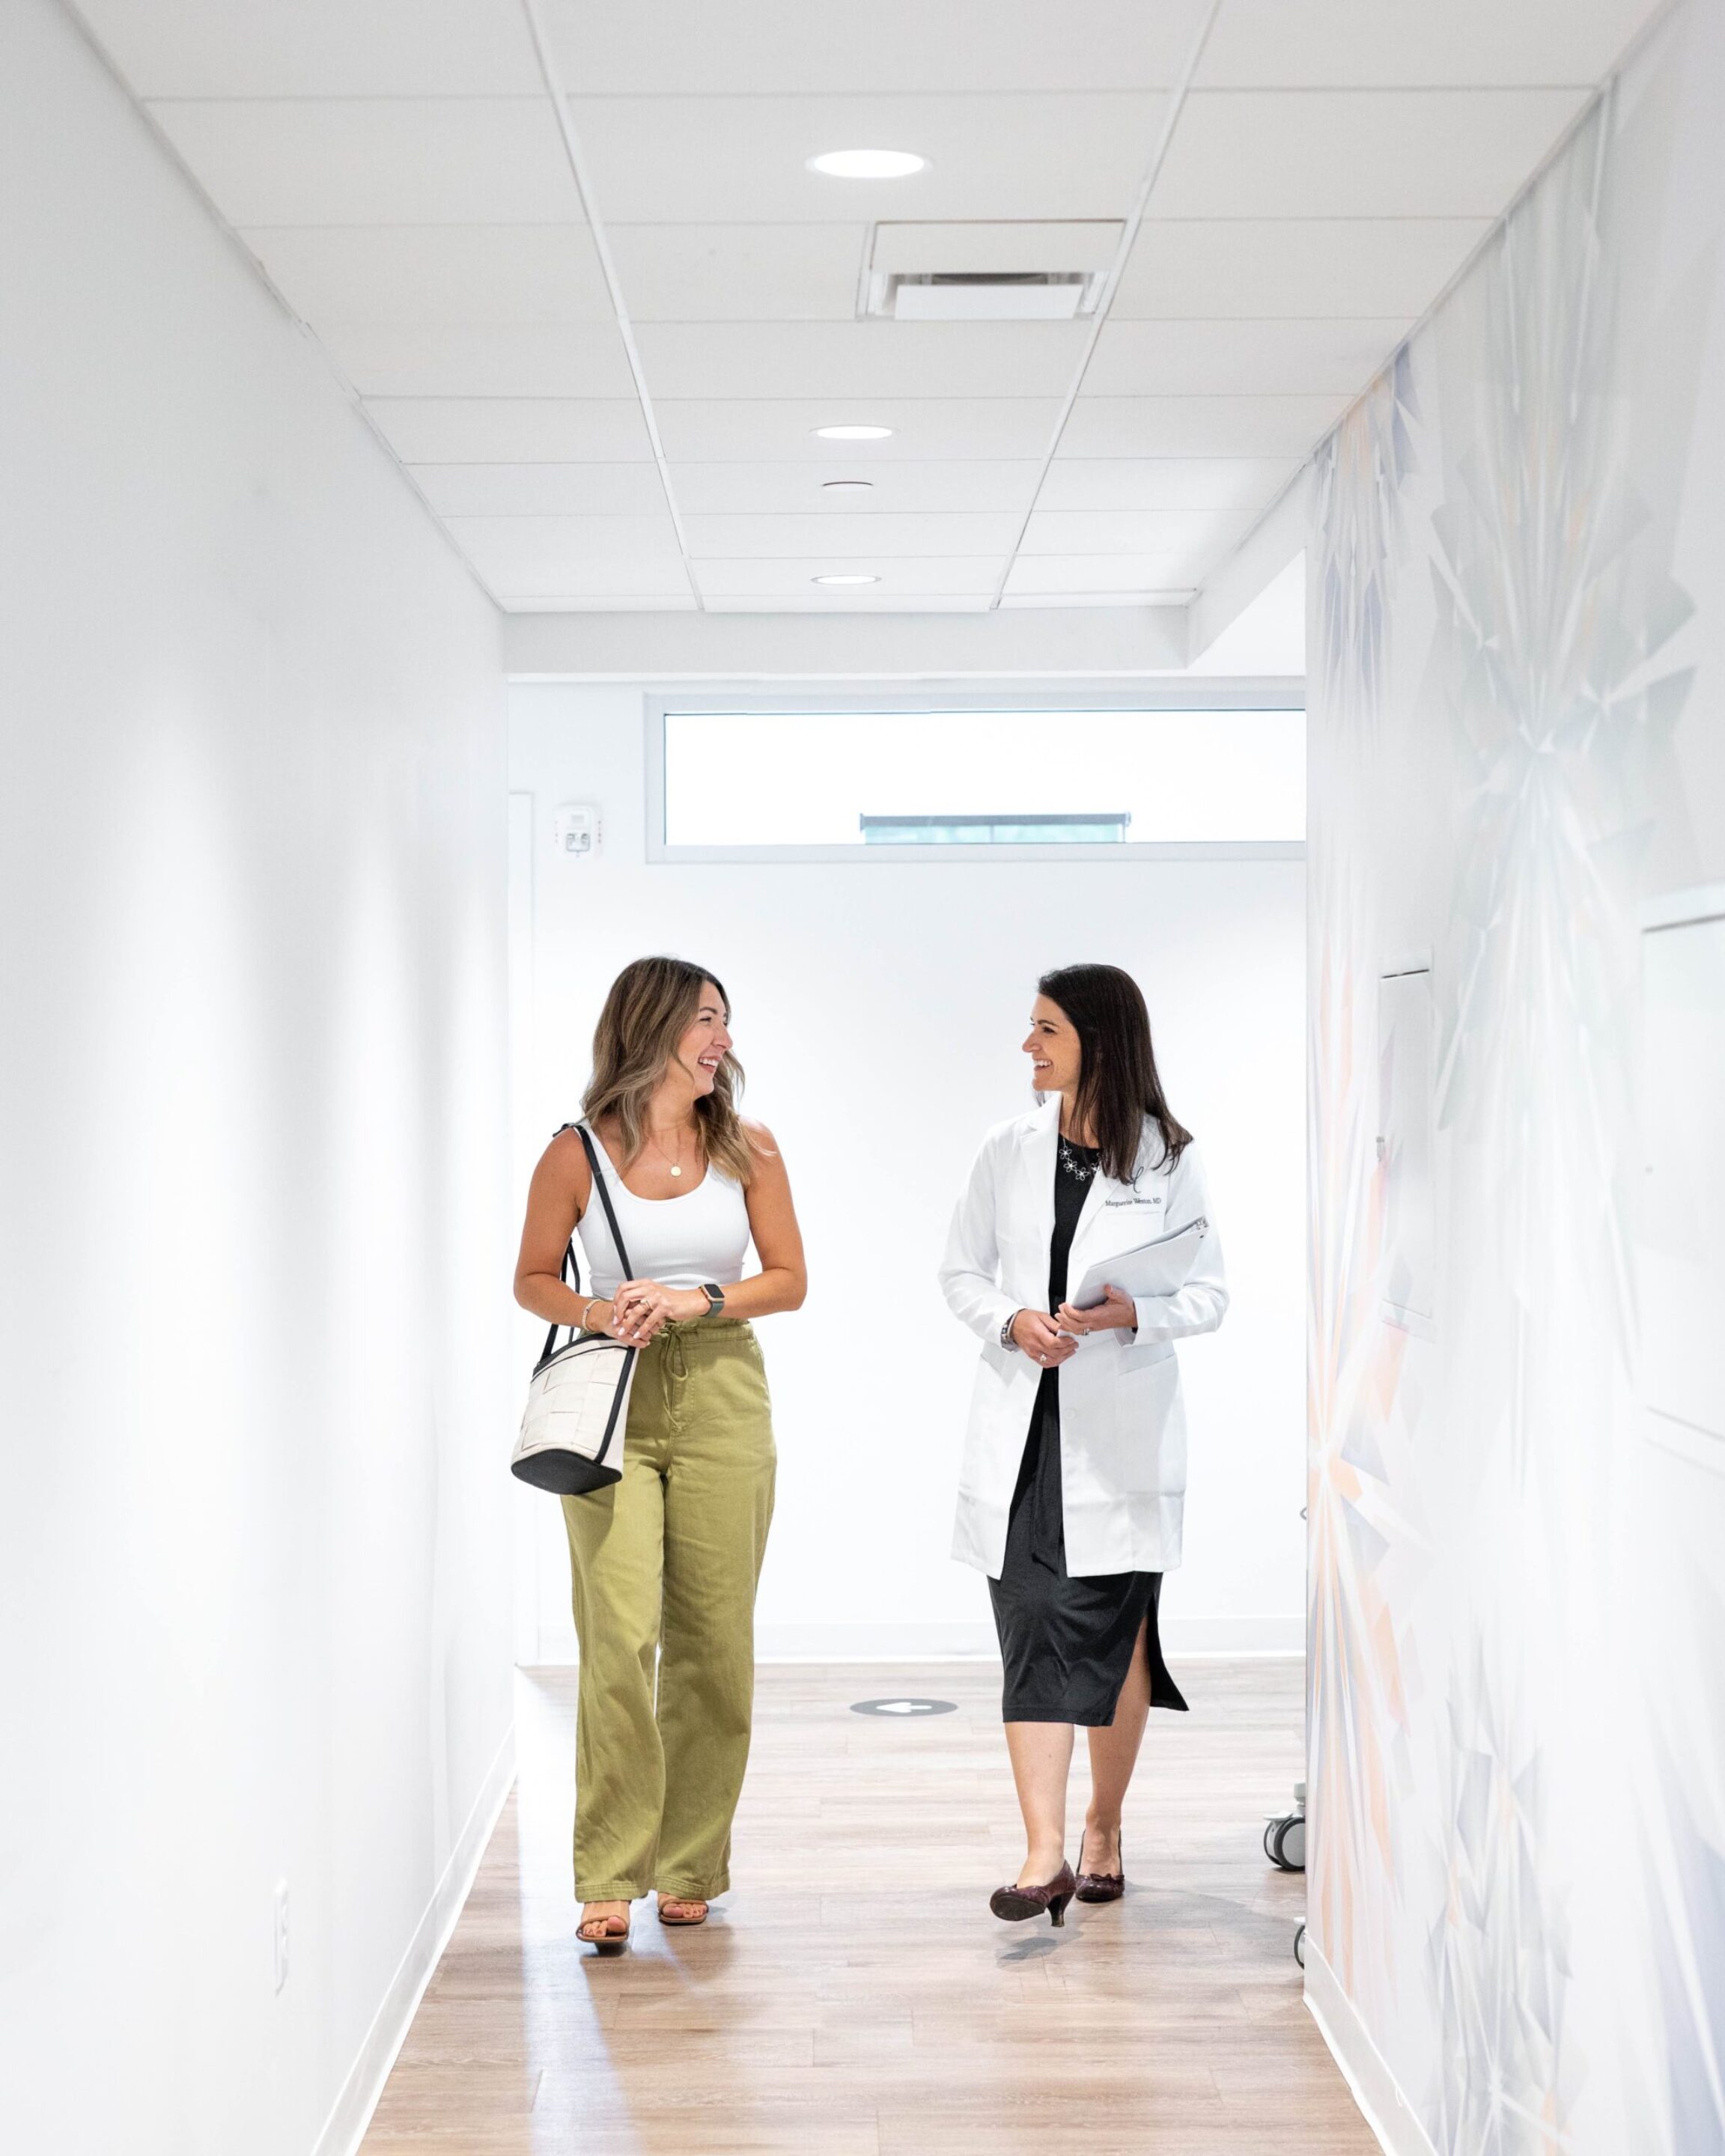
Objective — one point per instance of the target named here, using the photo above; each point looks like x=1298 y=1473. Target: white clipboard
x=1159 y=1268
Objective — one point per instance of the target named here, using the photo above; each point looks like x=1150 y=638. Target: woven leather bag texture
x=571 y=1431
x=572 y=1428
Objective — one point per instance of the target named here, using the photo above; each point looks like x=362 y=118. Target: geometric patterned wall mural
x=1516 y=1586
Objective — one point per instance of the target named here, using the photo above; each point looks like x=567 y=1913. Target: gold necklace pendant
x=675 y=1170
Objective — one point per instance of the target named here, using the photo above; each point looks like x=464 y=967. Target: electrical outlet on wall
x=281 y=1933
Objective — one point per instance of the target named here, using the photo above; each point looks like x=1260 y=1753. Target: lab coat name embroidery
x=1131 y=1201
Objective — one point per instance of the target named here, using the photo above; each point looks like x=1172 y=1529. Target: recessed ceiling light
x=852 y=434
x=867 y=164
x=843 y=580
x=847 y=486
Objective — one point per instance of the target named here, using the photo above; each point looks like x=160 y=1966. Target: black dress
x=1065 y=1644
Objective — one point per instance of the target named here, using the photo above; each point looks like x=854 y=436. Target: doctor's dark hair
x=1117 y=1081
x=651 y=1005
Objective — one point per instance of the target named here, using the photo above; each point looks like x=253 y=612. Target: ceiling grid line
x=608 y=270
x=1122 y=253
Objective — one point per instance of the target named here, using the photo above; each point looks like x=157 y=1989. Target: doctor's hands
x=1038 y=1337
x=1117 y=1310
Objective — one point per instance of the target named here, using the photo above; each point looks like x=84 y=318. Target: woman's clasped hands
x=641 y=1308
x=1051 y=1340
x=1041 y=1339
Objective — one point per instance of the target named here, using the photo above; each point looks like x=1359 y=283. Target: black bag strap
x=603 y=1189
x=569 y=1272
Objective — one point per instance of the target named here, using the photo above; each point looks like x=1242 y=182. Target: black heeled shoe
x=1101 y=1886
x=1013 y=1904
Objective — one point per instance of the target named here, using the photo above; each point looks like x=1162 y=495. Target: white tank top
x=701 y=1236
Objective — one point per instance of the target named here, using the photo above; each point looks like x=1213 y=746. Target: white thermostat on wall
x=578 y=829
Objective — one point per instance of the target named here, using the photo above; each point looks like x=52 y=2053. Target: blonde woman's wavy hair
x=651 y=1005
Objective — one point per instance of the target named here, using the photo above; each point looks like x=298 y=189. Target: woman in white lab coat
x=1074 y=1464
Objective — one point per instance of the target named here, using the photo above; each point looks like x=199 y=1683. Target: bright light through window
x=856 y=778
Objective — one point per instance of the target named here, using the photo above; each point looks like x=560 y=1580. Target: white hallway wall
x=1518 y=1724
x=254 y=1517
x=879 y=1009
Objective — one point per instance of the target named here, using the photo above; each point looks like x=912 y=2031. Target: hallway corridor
x=904 y=609
x=853 y=1997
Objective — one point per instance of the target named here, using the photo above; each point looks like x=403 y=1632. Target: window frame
x=1277 y=694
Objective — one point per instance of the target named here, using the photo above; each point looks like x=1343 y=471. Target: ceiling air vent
x=987 y=272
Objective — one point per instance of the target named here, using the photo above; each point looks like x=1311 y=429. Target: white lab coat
x=1122 y=1424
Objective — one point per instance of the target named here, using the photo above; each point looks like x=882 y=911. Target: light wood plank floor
x=853 y=1996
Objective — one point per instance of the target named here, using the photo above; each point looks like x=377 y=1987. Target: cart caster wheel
x=1300 y=1946
x=1285 y=1842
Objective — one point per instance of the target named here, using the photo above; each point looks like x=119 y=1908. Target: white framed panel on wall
x=1406 y=1144
x=1680 y=1243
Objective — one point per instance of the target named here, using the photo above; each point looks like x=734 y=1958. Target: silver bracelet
x=1006 y=1339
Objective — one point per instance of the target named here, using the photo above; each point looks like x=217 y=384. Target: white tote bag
x=572 y=1434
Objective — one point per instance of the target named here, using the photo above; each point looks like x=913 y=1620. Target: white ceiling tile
x=435 y=273
x=739 y=273
x=1206 y=268
x=541 y=489
x=1271 y=44
x=1004 y=247
x=978 y=602
x=377 y=160
x=319 y=48
x=741 y=538
x=1325 y=153
x=898 y=574
x=462 y=359
x=1283 y=357
x=487 y=430
x=903 y=45
x=1200 y=426
x=742 y=430
x=1135 y=531
x=1120 y=573
x=742 y=160
x=535 y=539
x=847 y=360
x=1241 y=483
x=789 y=490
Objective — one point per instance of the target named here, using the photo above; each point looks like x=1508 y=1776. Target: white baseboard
x=1375 y=2090
x=345 y=2128
x=876 y=1643
x=1233 y=1635
x=1183 y=1639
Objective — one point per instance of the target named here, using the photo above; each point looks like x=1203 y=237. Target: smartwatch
x=715 y=1298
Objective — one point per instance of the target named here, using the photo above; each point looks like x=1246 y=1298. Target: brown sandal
x=668 y=1902
x=598 y=1933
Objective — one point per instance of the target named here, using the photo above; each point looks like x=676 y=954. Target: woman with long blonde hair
x=664 y=1563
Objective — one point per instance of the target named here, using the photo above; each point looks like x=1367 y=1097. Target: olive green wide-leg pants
x=665 y=1565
